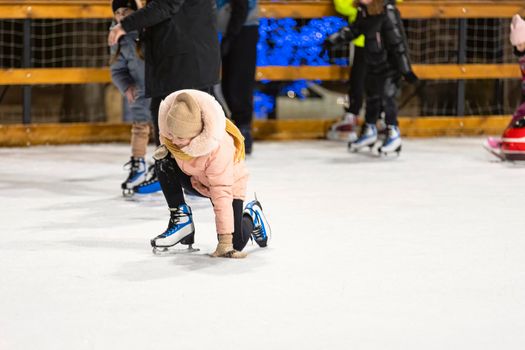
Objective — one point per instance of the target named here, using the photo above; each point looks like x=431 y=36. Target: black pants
x=356 y=92
x=238 y=75
x=381 y=91
x=154 y=108
x=172 y=180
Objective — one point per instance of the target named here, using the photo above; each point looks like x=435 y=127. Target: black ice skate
x=137 y=174
x=180 y=230
x=150 y=184
x=261 y=232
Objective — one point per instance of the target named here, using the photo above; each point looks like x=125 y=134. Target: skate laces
x=393 y=133
x=152 y=178
x=367 y=131
x=258 y=233
x=175 y=218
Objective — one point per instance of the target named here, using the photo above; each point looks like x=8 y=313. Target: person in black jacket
x=181 y=49
x=238 y=22
x=386 y=56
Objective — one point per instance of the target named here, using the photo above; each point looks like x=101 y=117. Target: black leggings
x=381 y=91
x=172 y=180
x=356 y=90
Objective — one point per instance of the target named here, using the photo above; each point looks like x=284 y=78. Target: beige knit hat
x=184 y=118
x=517 y=30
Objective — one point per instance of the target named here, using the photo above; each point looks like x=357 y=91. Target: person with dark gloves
x=181 y=52
x=387 y=60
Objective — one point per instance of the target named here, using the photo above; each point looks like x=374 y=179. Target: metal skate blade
x=162 y=251
x=128 y=193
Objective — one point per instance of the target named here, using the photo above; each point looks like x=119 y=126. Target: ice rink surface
x=422 y=252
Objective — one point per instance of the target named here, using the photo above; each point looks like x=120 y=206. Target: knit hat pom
x=517 y=31
x=184 y=118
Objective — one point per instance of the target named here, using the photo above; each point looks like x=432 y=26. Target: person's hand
x=520 y=47
x=339 y=37
x=411 y=78
x=114 y=35
x=131 y=94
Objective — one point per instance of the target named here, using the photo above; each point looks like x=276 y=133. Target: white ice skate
x=392 y=143
x=493 y=145
x=367 y=138
x=180 y=230
x=137 y=174
x=344 y=130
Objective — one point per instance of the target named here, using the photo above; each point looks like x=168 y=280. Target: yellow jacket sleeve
x=346 y=8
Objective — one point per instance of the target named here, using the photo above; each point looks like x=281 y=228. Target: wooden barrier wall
x=21 y=135
x=299 y=9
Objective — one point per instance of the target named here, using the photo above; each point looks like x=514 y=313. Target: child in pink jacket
x=202 y=152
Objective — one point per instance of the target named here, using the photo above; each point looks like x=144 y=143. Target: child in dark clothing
x=387 y=60
x=127 y=73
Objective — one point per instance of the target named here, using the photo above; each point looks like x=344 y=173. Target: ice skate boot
x=149 y=185
x=493 y=145
x=392 y=143
x=180 y=230
x=344 y=130
x=261 y=232
x=367 y=138
x=137 y=174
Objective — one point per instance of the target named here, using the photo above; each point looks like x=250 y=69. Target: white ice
x=422 y=252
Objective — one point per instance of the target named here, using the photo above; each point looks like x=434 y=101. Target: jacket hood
x=213 y=119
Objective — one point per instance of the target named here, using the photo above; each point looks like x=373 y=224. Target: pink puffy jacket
x=212 y=170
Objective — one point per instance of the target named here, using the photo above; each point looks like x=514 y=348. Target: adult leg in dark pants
x=356 y=92
x=375 y=88
x=389 y=99
x=238 y=80
x=154 y=107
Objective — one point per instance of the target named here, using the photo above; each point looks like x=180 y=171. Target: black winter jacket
x=385 y=42
x=181 y=44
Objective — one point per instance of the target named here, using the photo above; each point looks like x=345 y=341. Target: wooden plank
x=68 y=11
x=467 y=71
x=270 y=9
x=16 y=135
x=57 y=134
x=40 y=76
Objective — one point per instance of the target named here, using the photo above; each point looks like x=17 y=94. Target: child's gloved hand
x=338 y=38
x=225 y=248
x=411 y=78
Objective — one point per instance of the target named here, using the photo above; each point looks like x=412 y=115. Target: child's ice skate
x=493 y=145
x=149 y=185
x=261 y=233
x=137 y=174
x=344 y=130
x=367 y=138
x=392 y=143
x=180 y=230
